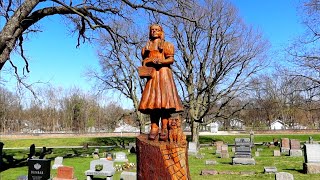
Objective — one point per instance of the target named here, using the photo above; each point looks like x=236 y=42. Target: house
x=277 y=125
x=237 y=124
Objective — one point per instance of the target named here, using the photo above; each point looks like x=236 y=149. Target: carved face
x=155 y=31
x=173 y=123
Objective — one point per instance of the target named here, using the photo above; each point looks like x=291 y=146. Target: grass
x=284 y=163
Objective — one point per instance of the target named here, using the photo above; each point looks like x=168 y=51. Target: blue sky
x=55 y=58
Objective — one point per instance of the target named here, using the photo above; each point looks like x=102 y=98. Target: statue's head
x=156 y=27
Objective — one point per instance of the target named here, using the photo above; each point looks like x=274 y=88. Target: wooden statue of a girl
x=160 y=97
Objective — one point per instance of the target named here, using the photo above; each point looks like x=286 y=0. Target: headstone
x=65 y=173
x=218 y=145
x=208 y=172
x=257 y=153
x=310 y=140
x=199 y=156
x=105 y=169
x=192 y=148
x=121 y=157
x=242 y=153
x=57 y=162
x=233 y=149
x=39 y=169
x=284 y=176
x=211 y=162
x=247 y=172
x=243 y=161
x=259 y=149
x=32 y=151
x=125 y=175
x=270 y=170
x=43 y=153
x=224 y=151
x=242 y=148
x=295 y=152
x=251 y=138
x=294 y=144
x=276 y=152
x=285 y=145
x=312 y=153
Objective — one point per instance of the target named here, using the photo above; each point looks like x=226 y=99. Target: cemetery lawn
x=77 y=157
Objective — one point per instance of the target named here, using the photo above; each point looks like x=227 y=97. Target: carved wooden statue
x=160 y=97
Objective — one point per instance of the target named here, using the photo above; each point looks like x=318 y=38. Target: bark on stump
x=161 y=160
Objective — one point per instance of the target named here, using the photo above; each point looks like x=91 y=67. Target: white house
x=277 y=125
x=236 y=124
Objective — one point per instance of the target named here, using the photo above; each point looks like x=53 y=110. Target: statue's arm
x=168 y=54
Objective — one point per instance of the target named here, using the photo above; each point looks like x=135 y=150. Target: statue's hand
x=152 y=60
x=156 y=61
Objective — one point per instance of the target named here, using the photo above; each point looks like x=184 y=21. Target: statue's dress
x=160 y=92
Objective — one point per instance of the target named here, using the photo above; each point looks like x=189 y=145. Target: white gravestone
x=121 y=157
x=192 y=148
x=312 y=153
x=57 y=162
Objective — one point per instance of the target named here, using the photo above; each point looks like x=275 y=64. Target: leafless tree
x=119 y=60
x=21 y=18
x=10 y=111
x=304 y=52
x=214 y=59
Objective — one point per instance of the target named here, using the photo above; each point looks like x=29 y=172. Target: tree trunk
x=142 y=122
x=13 y=29
x=195 y=132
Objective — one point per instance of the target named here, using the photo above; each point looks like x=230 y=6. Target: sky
x=54 y=57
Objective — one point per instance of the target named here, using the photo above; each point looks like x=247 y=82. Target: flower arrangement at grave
x=125 y=166
x=98 y=167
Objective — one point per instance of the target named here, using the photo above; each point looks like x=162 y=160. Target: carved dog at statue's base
x=175 y=131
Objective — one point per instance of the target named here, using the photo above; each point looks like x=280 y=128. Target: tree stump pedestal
x=161 y=160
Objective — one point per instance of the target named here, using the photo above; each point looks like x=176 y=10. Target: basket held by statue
x=145 y=71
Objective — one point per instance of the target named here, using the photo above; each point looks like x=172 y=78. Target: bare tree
x=10 y=111
x=22 y=17
x=119 y=60
x=304 y=52
x=215 y=58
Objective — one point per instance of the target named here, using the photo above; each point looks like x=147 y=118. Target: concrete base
x=295 y=152
x=311 y=168
x=243 y=161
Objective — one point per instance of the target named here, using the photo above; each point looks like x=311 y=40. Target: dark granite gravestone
x=39 y=169
x=242 y=148
x=242 y=153
x=1 y=160
x=32 y=151
x=43 y=153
